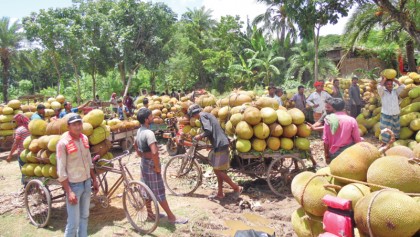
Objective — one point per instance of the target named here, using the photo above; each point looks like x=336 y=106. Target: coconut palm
x=368 y=18
x=302 y=63
x=10 y=39
x=275 y=20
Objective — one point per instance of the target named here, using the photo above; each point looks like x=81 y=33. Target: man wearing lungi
x=219 y=141
x=390 y=112
x=146 y=147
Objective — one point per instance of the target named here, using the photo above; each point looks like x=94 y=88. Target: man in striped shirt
x=390 y=112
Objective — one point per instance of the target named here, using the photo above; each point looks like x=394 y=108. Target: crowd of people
x=74 y=162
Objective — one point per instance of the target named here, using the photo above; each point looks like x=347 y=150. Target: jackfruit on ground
x=306 y=225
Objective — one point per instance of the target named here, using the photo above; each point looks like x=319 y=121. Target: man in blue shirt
x=122 y=110
x=68 y=108
x=40 y=112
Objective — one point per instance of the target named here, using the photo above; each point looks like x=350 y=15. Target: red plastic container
x=338 y=219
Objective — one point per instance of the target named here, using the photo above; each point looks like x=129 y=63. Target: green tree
x=302 y=63
x=10 y=39
x=311 y=15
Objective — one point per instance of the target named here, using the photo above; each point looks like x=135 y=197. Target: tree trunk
x=54 y=58
x=130 y=77
x=316 y=44
x=152 y=80
x=76 y=74
x=5 y=73
x=409 y=48
x=121 y=69
x=94 y=83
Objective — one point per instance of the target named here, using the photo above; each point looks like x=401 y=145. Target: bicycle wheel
x=38 y=203
x=281 y=173
x=182 y=176
x=141 y=207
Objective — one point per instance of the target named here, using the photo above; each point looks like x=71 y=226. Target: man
x=113 y=102
x=97 y=100
x=271 y=91
x=319 y=125
x=69 y=109
x=75 y=171
x=40 y=112
x=219 y=141
x=316 y=100
x=56 y=116
x=128 y=102
x=174 y=94
x=20 y=134
x=122 y=110
x=340 y=130
x=390 y=112
x=355 y=99
x=300 y=99
x=145 y=103
x=336 y=89
x=278 y=95
x=146 y=147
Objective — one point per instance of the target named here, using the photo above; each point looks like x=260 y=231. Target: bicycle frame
x=192 y=154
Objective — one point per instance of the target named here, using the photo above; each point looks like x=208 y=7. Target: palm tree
x=368 y=18
x=302 y=63
x=275 y=20
x=10 y=38
x=267 y=67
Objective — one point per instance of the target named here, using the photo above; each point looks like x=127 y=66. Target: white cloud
x=243 y=8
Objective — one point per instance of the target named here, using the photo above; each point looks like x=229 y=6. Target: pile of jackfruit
x=384 y=191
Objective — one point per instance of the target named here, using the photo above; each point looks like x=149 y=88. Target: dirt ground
x=257 y=208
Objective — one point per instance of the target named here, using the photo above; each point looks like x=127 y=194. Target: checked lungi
x=392 y=122
x=152 y=179
x=220 y=159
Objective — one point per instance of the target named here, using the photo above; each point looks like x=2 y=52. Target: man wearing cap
x=40 y=112
x=316 y=100
x=75 y=173
x=146 y=147
x=69 y=109
x=219 y=141
x=355 y=99
x=340 y=130
x=390 y=112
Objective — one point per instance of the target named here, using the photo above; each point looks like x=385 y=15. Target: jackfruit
x=400 y=151
x=390 y=213
x=354 y=162
x=395 y=172
x=306 y=225
x=309 y=191
x=353 y=192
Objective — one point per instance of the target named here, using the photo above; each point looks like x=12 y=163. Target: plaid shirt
x=20 y=134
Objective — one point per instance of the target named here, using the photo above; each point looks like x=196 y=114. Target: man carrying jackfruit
x=340 y=130
x=390 y=112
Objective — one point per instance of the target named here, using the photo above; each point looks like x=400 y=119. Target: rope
x=369 y=211
x=306 y=185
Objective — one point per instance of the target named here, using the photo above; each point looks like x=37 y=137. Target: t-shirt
x=213 y=131
x=36 y=116
x=20 y=134
x=300 y=101
x=144 y=138
x=114 y=103
x=120 y=112
x=64 y=112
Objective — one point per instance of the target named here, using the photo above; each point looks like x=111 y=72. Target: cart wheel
x=38 y=203
x=127 y=144
x=281 y=173
x=172 y=147
x=141 y=207
x=181 y=176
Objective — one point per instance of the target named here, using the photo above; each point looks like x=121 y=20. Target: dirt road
x=257 y=207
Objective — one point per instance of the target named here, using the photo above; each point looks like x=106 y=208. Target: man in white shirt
x=390 y=112
x=316 y=100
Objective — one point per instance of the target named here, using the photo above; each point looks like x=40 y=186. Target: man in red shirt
x=340 y=130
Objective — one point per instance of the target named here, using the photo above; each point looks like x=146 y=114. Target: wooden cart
x=124 y=138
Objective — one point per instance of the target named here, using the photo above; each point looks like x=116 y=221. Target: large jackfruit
x=395 y=172
x=354 y=162
x=390 y=213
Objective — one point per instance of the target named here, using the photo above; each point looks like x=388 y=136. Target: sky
x=17 y=9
